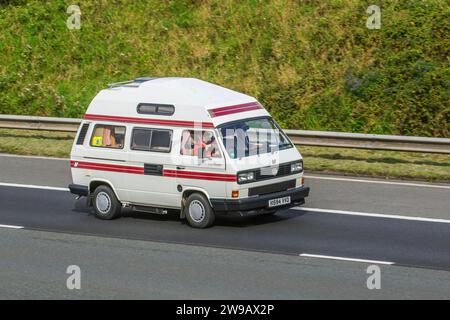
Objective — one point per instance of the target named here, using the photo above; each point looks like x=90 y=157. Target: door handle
x=180 y=168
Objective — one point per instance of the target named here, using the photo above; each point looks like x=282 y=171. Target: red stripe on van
x=106 y=167
x=140 y=170
x=200 y=175
x=222 y=111
x=177 y=123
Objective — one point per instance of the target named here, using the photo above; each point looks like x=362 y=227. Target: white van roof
x=194 y=101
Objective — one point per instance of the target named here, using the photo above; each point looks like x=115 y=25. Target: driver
x=210 y=144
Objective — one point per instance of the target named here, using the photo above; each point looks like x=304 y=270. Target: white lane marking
x=7 y=155
x=10 y=227
x=354 y=213
x=374 y=215
x=407 y=184
x=30 y=186
x=345 y=259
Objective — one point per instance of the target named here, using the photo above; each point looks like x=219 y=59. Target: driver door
x=201 y=163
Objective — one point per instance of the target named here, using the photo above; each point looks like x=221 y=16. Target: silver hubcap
x=103 y=202
x=197 y=211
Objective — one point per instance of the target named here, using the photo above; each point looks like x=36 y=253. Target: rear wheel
x=198 y=211
x=106 y=205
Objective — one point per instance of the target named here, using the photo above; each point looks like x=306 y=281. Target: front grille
x=271 y=188
x=266 y=172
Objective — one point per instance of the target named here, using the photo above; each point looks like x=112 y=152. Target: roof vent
x=156 y=108
x=130 y=83
x=144 y=79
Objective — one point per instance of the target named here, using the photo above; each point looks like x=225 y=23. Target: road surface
x=401 y=226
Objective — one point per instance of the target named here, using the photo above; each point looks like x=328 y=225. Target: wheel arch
x=187 y=192
x=93 y=184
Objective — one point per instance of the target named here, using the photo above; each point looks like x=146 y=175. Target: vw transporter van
x=156 y=144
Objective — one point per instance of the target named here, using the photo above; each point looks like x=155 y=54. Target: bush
x=313 y=64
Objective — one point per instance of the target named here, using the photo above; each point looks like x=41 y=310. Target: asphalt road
x=416 y=248
x=410 y=243
x=33 y=265
x=327 y=194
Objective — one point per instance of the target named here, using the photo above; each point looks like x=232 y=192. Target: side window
x=151 y=140
x=141 y=139
x=201 y=144
x=82 y=134
x=161 y=140
x=108 y=136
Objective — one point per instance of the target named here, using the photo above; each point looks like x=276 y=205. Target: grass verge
x=375 y=163
x=36 y=143
x=387 y=164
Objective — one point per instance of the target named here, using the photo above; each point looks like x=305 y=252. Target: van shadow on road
x=173 y=215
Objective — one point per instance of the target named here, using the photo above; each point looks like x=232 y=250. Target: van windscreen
x=255 y=136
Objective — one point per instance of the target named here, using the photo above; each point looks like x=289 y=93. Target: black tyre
x=198 y=211
x=106 y=205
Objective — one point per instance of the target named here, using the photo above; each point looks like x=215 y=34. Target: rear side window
x=154 y=108
x=160 y=140
x=155 y=140
x=141 y=139
x=108 y=136
x=82 y=134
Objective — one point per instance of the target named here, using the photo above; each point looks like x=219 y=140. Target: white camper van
x=155 y=144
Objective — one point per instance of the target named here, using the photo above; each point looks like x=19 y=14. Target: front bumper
x=259 y=204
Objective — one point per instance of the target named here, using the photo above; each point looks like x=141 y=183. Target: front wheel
x=106 y=205
x=198 y=211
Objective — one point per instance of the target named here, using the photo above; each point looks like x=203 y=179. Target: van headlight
x=246 y=177
x=297 y=166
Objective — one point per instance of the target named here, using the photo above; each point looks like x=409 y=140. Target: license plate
x=279 y=202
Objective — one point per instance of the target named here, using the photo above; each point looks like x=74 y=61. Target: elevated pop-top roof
x=194 y=101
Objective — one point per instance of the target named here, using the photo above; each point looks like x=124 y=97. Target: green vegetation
x=37 y=143
x=312 y=63
x=388 y=164
x=375 y=163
